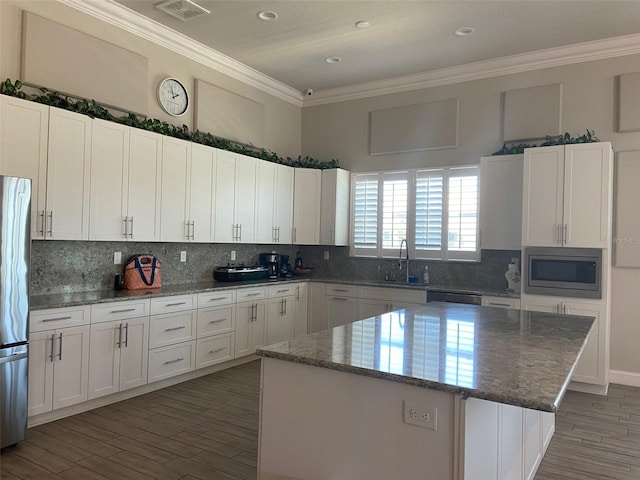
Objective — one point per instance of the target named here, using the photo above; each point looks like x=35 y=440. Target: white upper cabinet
x=274 y=205
x=307 y=194
x=125 y=183
x=201 y=203
x=109 y=181
x=24 y=132
x=68 y=176
x=235 y=198
x=501 y=202
x=334 y=212
x=174 y=224
x=145 y=170
x=567 y=195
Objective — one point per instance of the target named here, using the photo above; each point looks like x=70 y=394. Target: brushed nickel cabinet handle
x=126 y=228
x=339 y=298
x=53 y=339
x=215 y=299
x=169 y=362
x=119 y=343
x=175 y=304
x=126 y=335
x=193 y=229
x=217 y=350
x=173 y=329
x=42 y=223
x=131 y=230
x=564 y=234
x=124 y=310
x=253 y=294
x=56 y=319
x=60 y=352
x=51 y=223
x=218 y=321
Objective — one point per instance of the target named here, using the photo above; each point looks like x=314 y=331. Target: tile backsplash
x=78 y=266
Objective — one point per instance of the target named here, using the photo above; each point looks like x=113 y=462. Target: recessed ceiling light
x=333 y=59
x=267 y=15
x=464 y=31
x=363 y=24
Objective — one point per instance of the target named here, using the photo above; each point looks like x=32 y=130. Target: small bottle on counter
x=425 y=277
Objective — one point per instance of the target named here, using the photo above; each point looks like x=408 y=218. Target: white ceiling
x=405 y=37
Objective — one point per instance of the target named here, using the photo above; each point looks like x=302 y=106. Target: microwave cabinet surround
x=567 y=196
x=563 y=272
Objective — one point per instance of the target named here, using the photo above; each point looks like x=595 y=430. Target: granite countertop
x=41 y=302
x=514 y=357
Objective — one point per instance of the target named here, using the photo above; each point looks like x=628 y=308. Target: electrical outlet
x=117 y=258
x=233 y=255
x=183 y=256
x=326 y=254
x=515 y=260
x=420 y=416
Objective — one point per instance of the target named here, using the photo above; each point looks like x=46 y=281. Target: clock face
x=173 y=97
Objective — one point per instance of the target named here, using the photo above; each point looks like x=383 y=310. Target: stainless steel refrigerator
x=15 y=249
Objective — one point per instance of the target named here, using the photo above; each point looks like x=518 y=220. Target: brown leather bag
x=142 y=271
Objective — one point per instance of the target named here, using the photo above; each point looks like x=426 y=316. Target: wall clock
x=173 y=97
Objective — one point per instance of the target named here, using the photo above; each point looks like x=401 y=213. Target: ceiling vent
x=182 y=9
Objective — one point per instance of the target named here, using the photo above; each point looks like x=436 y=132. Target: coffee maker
x=285 y=267
x=272 y=262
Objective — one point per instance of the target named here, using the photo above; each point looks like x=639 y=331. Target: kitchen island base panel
x=319 y=423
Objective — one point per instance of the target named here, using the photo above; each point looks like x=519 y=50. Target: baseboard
x=589 y=388
x=134 y=392
x=631 y=379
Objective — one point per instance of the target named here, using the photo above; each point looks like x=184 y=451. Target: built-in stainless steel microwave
x=566 y=272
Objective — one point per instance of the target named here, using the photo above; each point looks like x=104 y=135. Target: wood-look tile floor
x=207 y=429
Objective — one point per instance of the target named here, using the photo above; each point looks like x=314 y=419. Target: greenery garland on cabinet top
x=549 y=140
x=94 y=110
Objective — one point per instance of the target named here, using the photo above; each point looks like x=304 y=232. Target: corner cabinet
x=567 y=195
x=307 y=196
x=501 y=202
x=334 y=211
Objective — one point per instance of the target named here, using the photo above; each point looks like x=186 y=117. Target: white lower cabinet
x=251 y=325
x=58 y=358
x=165 y=362
x=58 y=368
x=503 y=302
x=300 y=315
x=280 y=320
x=215 y=349
x=341 y=310
x=118 y=356
x=592 y=366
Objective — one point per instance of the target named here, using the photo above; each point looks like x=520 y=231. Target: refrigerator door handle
x=13 y=358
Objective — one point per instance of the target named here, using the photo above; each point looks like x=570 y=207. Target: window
x=435 y=210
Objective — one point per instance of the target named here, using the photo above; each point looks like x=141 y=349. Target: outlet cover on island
x=183 y=256
x=326 y=254
x=233 y=255
x=117 y=258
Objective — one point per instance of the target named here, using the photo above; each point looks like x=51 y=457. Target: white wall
x=282 y=120
x=589 y=101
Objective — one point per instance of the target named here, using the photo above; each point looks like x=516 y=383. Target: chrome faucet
x=406 y=246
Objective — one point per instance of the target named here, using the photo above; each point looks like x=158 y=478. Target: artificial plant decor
x=94 y=110
x=549 y=140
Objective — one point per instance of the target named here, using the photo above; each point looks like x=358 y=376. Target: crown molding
x=122 y=17
x=552 y=57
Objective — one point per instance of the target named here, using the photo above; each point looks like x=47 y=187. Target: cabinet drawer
x=212 y=321
x=212 y=350
x=178 y=303
x=172 y=328
x=213 y=299
x=41 y=320
x=276 y=291
x=504 y=302
x=341 y=290
x=169 y=361
x=399 y=295
x=248 y=294
x=106 y=312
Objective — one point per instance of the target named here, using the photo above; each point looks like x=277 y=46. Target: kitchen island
x=443 y=391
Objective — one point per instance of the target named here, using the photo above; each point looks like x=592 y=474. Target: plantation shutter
x=429 y=213
x=462 y=228
x=395 y=189
x=365 y=214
